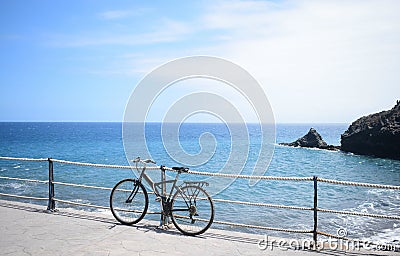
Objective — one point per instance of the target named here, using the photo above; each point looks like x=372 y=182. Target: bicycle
x=190 y=208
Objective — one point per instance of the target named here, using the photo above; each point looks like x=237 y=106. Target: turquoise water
x=103 y=143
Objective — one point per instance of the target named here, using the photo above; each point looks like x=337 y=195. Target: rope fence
x=26 y=180
x=81 y=204
x=361 y=214
x=358 y=184
x=225 y=175
x=23 y=159
x=52 y=199
x=80 y=186
x=95 y=165
x=261 y=227
x=263 y=205
x=23 y=197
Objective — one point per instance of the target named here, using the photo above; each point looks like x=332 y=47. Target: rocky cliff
x=376 y=135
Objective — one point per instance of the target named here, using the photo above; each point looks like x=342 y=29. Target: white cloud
x=130 y=65
x=168 y=31
x=121 y=14
x=110 y=15
x=317 y=60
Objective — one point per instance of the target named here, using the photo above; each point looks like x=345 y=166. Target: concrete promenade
x=28 y=229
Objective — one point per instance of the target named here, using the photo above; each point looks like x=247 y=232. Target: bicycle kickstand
x=165 y=223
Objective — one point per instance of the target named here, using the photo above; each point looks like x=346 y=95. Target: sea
x=103 y=143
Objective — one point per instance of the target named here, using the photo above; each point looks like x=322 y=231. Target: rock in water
x=375 y=135
x=311 y=140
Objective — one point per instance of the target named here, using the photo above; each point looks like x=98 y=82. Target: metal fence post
x=51 y=204
x=315 y=230
x=163 y=221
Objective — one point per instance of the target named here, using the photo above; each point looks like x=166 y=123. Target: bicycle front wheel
x=192 y=210
x=129 y=201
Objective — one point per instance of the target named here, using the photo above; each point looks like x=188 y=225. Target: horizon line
x=170 y=122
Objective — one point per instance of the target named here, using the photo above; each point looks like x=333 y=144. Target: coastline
x=102 y=144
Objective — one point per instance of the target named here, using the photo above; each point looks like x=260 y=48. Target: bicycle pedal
x=158 y=199
x=164 y=227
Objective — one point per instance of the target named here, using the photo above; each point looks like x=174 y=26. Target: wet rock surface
x=375 y=135
x=311 y=140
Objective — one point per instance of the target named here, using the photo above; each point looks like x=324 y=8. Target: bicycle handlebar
x=180 y=169
x=146 y=161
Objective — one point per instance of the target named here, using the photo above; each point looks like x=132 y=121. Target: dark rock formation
x=311 y=140
x=376 y=135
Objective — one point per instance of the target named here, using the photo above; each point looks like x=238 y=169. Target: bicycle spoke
x=128 y=201
x=189 y=215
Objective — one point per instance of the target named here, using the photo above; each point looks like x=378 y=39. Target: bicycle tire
x=182 y=210
x=131 y=212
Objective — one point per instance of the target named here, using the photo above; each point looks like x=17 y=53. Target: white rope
x=360 y=214
x=261 y=227
x=350 y=239
x=226 y=175
x=263 y=204
x=190 y=172
x=349 y=183
x=216 y=200
x=99 y=207
x=81 y=186
x=216 y=222
x=24 y=197
x=27 y=180
x=92 y=165
x=101 y=165
x=24 y=159
x=343 y=238
x=81 y=204
x=245 y=225
x=93 y=187
x=333 y=236
x=211 y=174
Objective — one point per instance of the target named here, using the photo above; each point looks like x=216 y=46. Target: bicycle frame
x=161 y=186
x=157 y=186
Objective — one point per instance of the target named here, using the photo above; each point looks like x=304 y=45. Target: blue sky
x=318 y=61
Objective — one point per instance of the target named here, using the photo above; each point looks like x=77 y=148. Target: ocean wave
x=387 y=236
x=13 y=185
x=306 y=148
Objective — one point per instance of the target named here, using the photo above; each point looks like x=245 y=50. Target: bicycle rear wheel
x=192 y=210
x=129 y=201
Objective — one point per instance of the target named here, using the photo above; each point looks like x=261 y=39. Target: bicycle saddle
x=181 y=169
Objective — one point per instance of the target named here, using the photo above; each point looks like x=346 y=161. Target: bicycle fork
x=133 y=193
